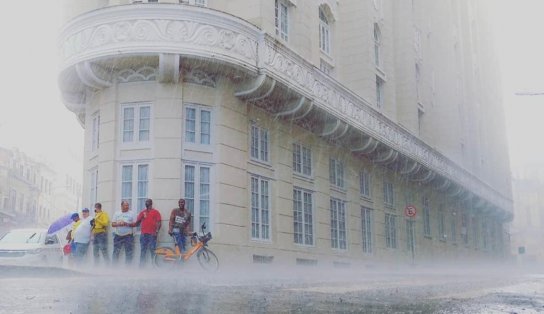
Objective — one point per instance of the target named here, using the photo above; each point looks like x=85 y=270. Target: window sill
x=260 y=163
x=338 y=189
x=207 y=148
x=389 y=206
x=302 y=177
x=135 y=146
x=366 y=198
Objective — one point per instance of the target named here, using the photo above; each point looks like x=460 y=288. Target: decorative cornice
x=145 y=73
x=158 y=29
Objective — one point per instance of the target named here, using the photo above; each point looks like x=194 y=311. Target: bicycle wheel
x=161 y=261
x=207 y=259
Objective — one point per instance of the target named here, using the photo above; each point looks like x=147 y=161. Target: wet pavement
x=262 y=290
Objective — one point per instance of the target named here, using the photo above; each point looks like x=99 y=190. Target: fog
x=32 y=114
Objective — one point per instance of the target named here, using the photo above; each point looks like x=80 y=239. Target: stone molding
x=194 y=32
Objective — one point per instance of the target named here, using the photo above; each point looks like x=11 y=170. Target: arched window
x=377 y=45
x=324 y=32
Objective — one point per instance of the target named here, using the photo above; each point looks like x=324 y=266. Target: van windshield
x=21 y=236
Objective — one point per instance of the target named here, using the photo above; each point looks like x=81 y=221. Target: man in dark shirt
x=178 y=226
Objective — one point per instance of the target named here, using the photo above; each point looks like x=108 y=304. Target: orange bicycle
x=206 y=258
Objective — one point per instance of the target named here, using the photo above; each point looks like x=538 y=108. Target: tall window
x=388 y=194
x=259 y=143
x=410 y=236
x=94 y=187
x=366 y=226
x=302 y=160
x=426 y=218
x=338 y=224
x=198 y=125
x=364 y=183
x=441 y=225
x=380 y=85
x=136 y=122
x=377 y=46
x=260 y=208
x=282 y=19
x=95 y=136
x=197 y=193
x=475 y=234
x=390 y=231
x=484 y=235
x=453 y=227
x=464 y=228
x=336 y=172
x=134 y=185
x=324 y=32
x=303 y=217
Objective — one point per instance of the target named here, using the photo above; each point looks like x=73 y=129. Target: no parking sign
x=410 y=211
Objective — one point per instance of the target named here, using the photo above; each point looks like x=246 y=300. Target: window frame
x=336 y=173
x=365 y=184
x=282 y=19
x=300 y=163
x=377 y=35
x=367 y=218
x=263 y=153
x=136 y=129
x=198 y=127
x=307 y=234
x=427 y=231
x=380 y=92
x=95 y=133
x=136 y=201
x=324 y=33
x=199 y=194
x=338 y=222
x=388 y=194
x=258 y=226
x=390 y=226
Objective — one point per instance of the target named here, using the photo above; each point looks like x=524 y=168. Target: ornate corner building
x=329 y=132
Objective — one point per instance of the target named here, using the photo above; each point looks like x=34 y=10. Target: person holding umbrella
x=100 y=242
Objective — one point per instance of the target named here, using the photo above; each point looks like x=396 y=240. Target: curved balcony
x=164 y=38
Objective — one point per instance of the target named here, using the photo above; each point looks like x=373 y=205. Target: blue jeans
x=80 y=251
x=180 y=241
x=100 y=244
x=126 y=241
x=147 y=242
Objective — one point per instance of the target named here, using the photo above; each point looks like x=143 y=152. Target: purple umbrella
x=60 y=224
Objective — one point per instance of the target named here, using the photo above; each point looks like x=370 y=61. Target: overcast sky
x=33 y=118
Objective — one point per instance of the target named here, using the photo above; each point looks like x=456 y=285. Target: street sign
x=410 y=211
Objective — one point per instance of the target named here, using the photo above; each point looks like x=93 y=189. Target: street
x=260 y=290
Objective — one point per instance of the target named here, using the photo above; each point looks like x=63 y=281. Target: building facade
x=32 y=193
x=301 y=132
x=527 y=228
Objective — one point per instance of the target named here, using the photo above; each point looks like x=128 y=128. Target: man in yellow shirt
x=100 y=236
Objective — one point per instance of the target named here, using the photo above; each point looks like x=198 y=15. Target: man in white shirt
x=123 y=233
x=81 y=235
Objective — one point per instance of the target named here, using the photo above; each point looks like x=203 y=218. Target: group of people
x=86 y=229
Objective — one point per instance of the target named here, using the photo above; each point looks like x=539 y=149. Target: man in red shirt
x=150 y=220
